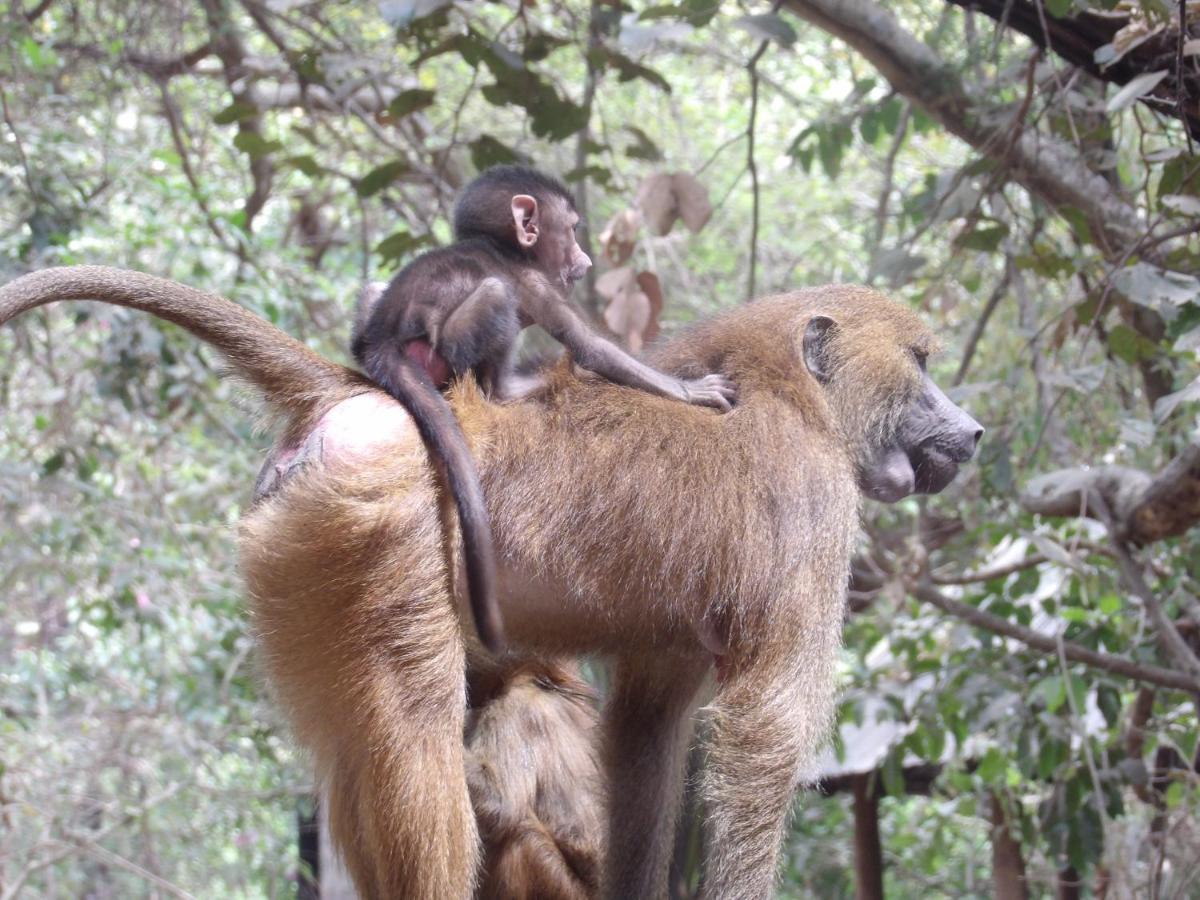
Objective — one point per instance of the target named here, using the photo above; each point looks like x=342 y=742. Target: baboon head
x=869 y=355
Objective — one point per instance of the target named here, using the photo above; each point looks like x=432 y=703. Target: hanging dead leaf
x=629 y=311
x=652 y=288
x=656 y=199
x=619 y=236
x=691 y=199
x=628 y=315
x=614 y=281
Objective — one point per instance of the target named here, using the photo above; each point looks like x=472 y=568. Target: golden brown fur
x=536 y=782
x=629 y=526
x=663 y=536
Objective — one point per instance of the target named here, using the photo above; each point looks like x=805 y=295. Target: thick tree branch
x=1107 y=662
x=1046 y=166
x=1143 y=508
x=228 y=46
x=1077 y=38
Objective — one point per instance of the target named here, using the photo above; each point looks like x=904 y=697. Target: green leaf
x=643 y=147
x=1129 y=346
x=768 y=27
x=408 y=102
x=868 y=126
x=400 y=244
x=1164 y=406
x=486 y=151
x=255 y=145
x=557 y=119
x=627 y=70
x=1134 y=90
x=697 y=13
x=1152 y=287
x=984 y=239
x=992 y=766
x=889 y=114
x=403 y=13
x=1109 y=701
x=305 y=163
x=1078 y=222
x=39 y=58
x=540 y=45
x=380 y=177
x=235 y=112
x=1052 y=691
x=1109 y=604
x=1058 y=8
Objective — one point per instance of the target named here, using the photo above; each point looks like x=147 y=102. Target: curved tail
x=294 y=379
x=408 y=383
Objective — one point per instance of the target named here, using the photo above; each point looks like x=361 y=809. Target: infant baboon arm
x=594 y=353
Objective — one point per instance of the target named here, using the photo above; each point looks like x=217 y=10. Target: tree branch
x=1143 y=508
x=1046 y=166
x=924 y=591
x=228 y=46
x=1077 y=38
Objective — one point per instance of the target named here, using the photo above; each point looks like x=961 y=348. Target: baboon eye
x=921 y=356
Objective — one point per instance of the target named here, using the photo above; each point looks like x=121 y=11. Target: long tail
x=407 y=382
x=294 y=379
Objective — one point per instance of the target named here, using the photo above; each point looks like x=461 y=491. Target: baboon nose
x=968 y=441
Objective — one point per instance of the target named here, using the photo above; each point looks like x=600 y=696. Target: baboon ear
x=818 y=335
x=525 y=218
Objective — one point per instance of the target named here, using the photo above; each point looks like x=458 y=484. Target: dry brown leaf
x=628 y=316
x=619 y=236
x=691 y=199
x=614 y=281
x=656 y=199
x=629 y=312
x=652 y=288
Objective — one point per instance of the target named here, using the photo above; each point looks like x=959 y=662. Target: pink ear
x=525 y=219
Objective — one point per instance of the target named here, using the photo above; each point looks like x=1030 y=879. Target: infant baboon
x=459 y=309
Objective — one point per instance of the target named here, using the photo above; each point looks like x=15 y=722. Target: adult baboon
x=672 y=539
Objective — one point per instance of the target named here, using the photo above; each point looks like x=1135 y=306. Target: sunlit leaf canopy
x=1023 y=646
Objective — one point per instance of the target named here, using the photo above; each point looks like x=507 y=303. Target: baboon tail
x=408 y=383
x=293 y=379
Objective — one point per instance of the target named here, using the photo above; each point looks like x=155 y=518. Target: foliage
x=283 y=153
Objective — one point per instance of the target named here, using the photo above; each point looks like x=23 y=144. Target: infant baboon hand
x=711 y=390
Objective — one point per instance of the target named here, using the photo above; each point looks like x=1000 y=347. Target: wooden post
x=868 y=853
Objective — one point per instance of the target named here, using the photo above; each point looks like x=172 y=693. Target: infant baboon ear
x=818 y=336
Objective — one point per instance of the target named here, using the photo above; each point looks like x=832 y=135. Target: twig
x=113 y=859
x=171 y=112
x=751 y=165
x=889 y=175
x=1078 y=720
x=1181 y=93
x=993 y=301
x=1062 y=91
x=591 y=80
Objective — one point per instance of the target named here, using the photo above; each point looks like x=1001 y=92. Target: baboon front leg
x=648 y=722
x=770 y=715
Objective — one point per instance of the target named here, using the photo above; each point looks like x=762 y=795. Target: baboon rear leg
x=648 y=723
x=397 y=795
x=481 y=332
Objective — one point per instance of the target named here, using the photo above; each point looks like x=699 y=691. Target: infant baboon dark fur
x=458 y=310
